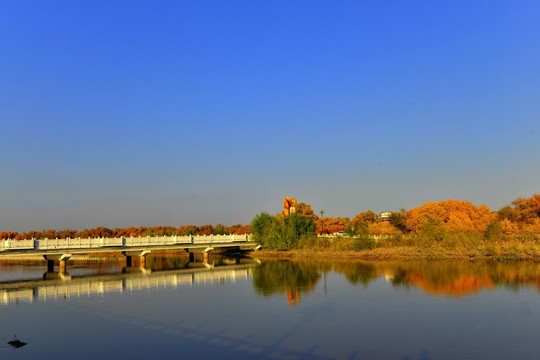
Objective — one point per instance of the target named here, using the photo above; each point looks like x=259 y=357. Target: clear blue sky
x=129 y=113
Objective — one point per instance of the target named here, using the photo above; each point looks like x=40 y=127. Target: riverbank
x=473 y=251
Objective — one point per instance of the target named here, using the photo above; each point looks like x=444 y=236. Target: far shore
x=407 y=253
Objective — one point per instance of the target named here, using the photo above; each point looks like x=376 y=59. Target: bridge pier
x=63 y=266
x=140 y=253
x=204 y=251
x=61 y=258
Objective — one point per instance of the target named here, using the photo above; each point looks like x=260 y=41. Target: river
x=243 y=308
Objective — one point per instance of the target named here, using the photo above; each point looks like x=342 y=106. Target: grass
x=443 y=246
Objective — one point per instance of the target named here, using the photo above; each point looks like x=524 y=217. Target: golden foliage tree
x=527 y=210
x=454 y=215
x=332 y=224
x=367 y=217
x=305 y=210
x=239 y=229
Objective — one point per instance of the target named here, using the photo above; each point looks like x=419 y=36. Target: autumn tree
x=367 y=217
x=454 y=215
x=507 y=212
x=360 y=223
x=89 y=233
x=239 y=229
x=161 y=231
x=305 y=210
x=332 y=224
x=31 y=235
x=49 y=234
x=382 y=228
x=130 y=231
x=527 y=210
x=206 y=230
x=66 y=233
x=5 y=235
x=523 y=215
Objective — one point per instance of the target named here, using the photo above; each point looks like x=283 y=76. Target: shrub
x=282 y=232
x=494 y=231
x=364 y=243
x=356 y=228
x=221 y=230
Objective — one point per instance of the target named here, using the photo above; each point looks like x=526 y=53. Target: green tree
x=494 y=231
x=261 y=227
x=281 y=232
x=220 y=229
x=357 y=228
x=189 y=230
x=397 y=219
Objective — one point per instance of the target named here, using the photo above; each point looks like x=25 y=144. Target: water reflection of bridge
x=56 y=286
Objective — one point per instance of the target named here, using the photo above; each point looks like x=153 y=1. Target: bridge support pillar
x=205 y=252
x=61 y=258
x=63 y=266
x=140 y=253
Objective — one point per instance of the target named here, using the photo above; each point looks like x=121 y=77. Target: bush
x=356 y=228
x=282 y=232
x=494 y=231
x=189 y=230
x=364 y=243
x=433 y=231
x=221 y=230
x=261 y=227
x=398 y=221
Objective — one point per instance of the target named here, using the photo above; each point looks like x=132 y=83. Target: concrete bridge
x=61 y=250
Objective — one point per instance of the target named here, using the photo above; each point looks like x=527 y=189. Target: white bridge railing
x=127 y=242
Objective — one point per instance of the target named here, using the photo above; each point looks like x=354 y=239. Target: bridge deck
x=85 y=246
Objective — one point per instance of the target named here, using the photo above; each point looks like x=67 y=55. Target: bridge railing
x=16 y=244
x=90 y=243
x=212 y=239
x=78 y=243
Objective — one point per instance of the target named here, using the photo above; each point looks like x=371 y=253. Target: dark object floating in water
x=16 y=343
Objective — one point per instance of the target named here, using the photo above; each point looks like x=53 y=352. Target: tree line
x=432 y=219
x=521 y=216
x=101 y=231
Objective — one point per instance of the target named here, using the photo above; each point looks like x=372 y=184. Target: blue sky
x=129 y=113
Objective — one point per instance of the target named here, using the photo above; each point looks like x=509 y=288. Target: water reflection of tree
x=281 y=277
x=445 y=278
x=357 y=272
x=439 y=278
x=461 y=279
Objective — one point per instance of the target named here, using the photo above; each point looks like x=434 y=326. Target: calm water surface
x=240 y=308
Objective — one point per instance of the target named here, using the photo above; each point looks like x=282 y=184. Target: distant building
x=385 y=216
